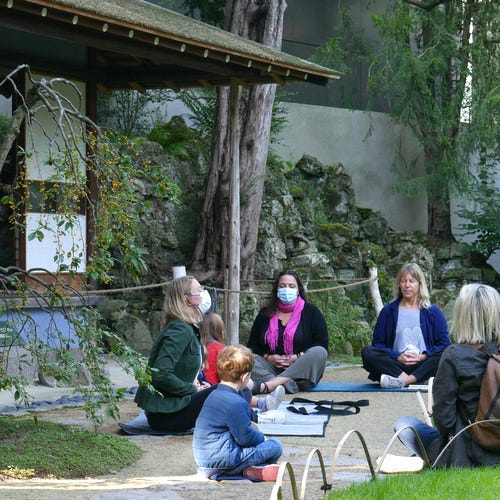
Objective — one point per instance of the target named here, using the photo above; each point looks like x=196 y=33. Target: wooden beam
x=172 y=85
x=207 y=84
x=138 y=87
x=234 y=222
x=277 y=79
x=103 y=88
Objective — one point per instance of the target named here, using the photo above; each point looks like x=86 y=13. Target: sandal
x=257 y=387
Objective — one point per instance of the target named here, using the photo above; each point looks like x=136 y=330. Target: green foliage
x=4 y=126
x=347 y=331
x=334 y=228
x=203 y=106
x=32 y=448
x=483 y=216
x=209 y=11
x=77 y=362
x=115 y=163
x=343 y=51
x=130 y=112
x=435 y=75
x=453 y=483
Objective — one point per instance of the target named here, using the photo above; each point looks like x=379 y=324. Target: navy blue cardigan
x=432 y=323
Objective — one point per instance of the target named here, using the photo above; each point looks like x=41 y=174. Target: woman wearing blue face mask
x=290 y=338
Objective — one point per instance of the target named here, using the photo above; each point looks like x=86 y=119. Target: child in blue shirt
x=225 y=441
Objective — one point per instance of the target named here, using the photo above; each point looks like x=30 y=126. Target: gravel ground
x=166 y=469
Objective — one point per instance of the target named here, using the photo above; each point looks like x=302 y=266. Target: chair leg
x=424 y=409
x=430 y=401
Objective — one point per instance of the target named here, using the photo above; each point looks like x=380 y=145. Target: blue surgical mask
x=287 y=295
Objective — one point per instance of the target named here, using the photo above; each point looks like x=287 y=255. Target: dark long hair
x=272 y=304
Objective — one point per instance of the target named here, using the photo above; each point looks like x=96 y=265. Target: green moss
x=335 y=228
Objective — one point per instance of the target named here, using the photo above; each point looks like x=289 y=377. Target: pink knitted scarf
x=271 y=335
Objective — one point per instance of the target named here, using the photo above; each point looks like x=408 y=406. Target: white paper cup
x=178 y=271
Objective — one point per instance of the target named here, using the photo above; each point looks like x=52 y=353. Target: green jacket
x=175 y=360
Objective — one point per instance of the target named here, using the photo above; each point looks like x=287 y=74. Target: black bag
x=326 y=407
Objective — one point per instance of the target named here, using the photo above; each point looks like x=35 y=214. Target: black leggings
x=377 y=362
x=184 y=420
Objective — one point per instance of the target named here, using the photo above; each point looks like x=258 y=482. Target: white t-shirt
x=408 y=333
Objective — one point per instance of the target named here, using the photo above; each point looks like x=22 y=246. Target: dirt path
x=167 y=470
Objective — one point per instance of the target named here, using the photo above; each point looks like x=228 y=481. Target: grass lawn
x=451 y=484
x=34 y=448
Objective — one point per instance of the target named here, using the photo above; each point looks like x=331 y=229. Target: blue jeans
x=267 y=452
x=426 y=433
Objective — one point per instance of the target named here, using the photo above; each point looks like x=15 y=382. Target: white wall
x=457 y=204
x=336 y=135
x=367 y=144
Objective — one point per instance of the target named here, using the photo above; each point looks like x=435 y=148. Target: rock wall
x=309 y=222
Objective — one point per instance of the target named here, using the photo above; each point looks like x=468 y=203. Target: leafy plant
x=347 y=330
x=209 y=11
x=482 y=211
x=175 y=138
x=115 y=209
x=130 y=112
x=105 y=174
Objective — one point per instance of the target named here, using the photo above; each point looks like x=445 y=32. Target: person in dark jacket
x=175 y=360
x=289 y=337
x=456 y=387
x=410 y=334
x=225 y=442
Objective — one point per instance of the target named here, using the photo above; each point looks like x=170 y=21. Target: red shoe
x=262 y=472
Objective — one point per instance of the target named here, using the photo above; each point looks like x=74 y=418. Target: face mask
x=287 y=295
x=206 y=302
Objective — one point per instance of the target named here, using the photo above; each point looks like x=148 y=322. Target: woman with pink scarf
x=290 y=338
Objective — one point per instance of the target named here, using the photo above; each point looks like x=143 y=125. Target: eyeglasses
x=195 y=294
x=408 y=282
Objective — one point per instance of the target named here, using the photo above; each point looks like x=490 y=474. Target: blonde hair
x=414 y=270
x=175 y=304
x=212 y=328
x=233 y=361
x=476 y=315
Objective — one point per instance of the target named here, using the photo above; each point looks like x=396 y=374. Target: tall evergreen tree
x=438 y=65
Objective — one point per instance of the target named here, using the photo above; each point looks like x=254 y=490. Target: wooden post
x=233 y=303
x=374 y=290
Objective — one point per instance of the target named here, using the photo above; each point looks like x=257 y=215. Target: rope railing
x=224 y=290
x=12 y=271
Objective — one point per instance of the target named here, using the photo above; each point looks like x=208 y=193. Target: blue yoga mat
x=359 y=387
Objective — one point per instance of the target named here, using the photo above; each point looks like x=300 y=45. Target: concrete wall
x=336 y=135
x=308 y=24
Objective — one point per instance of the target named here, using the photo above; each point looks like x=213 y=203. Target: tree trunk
x=438 y=211
x=262 y=23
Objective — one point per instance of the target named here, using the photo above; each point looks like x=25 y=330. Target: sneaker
x=291 y=387
x=262 y=472
x=271 y=417
x=274 y=399
x=388 y=382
